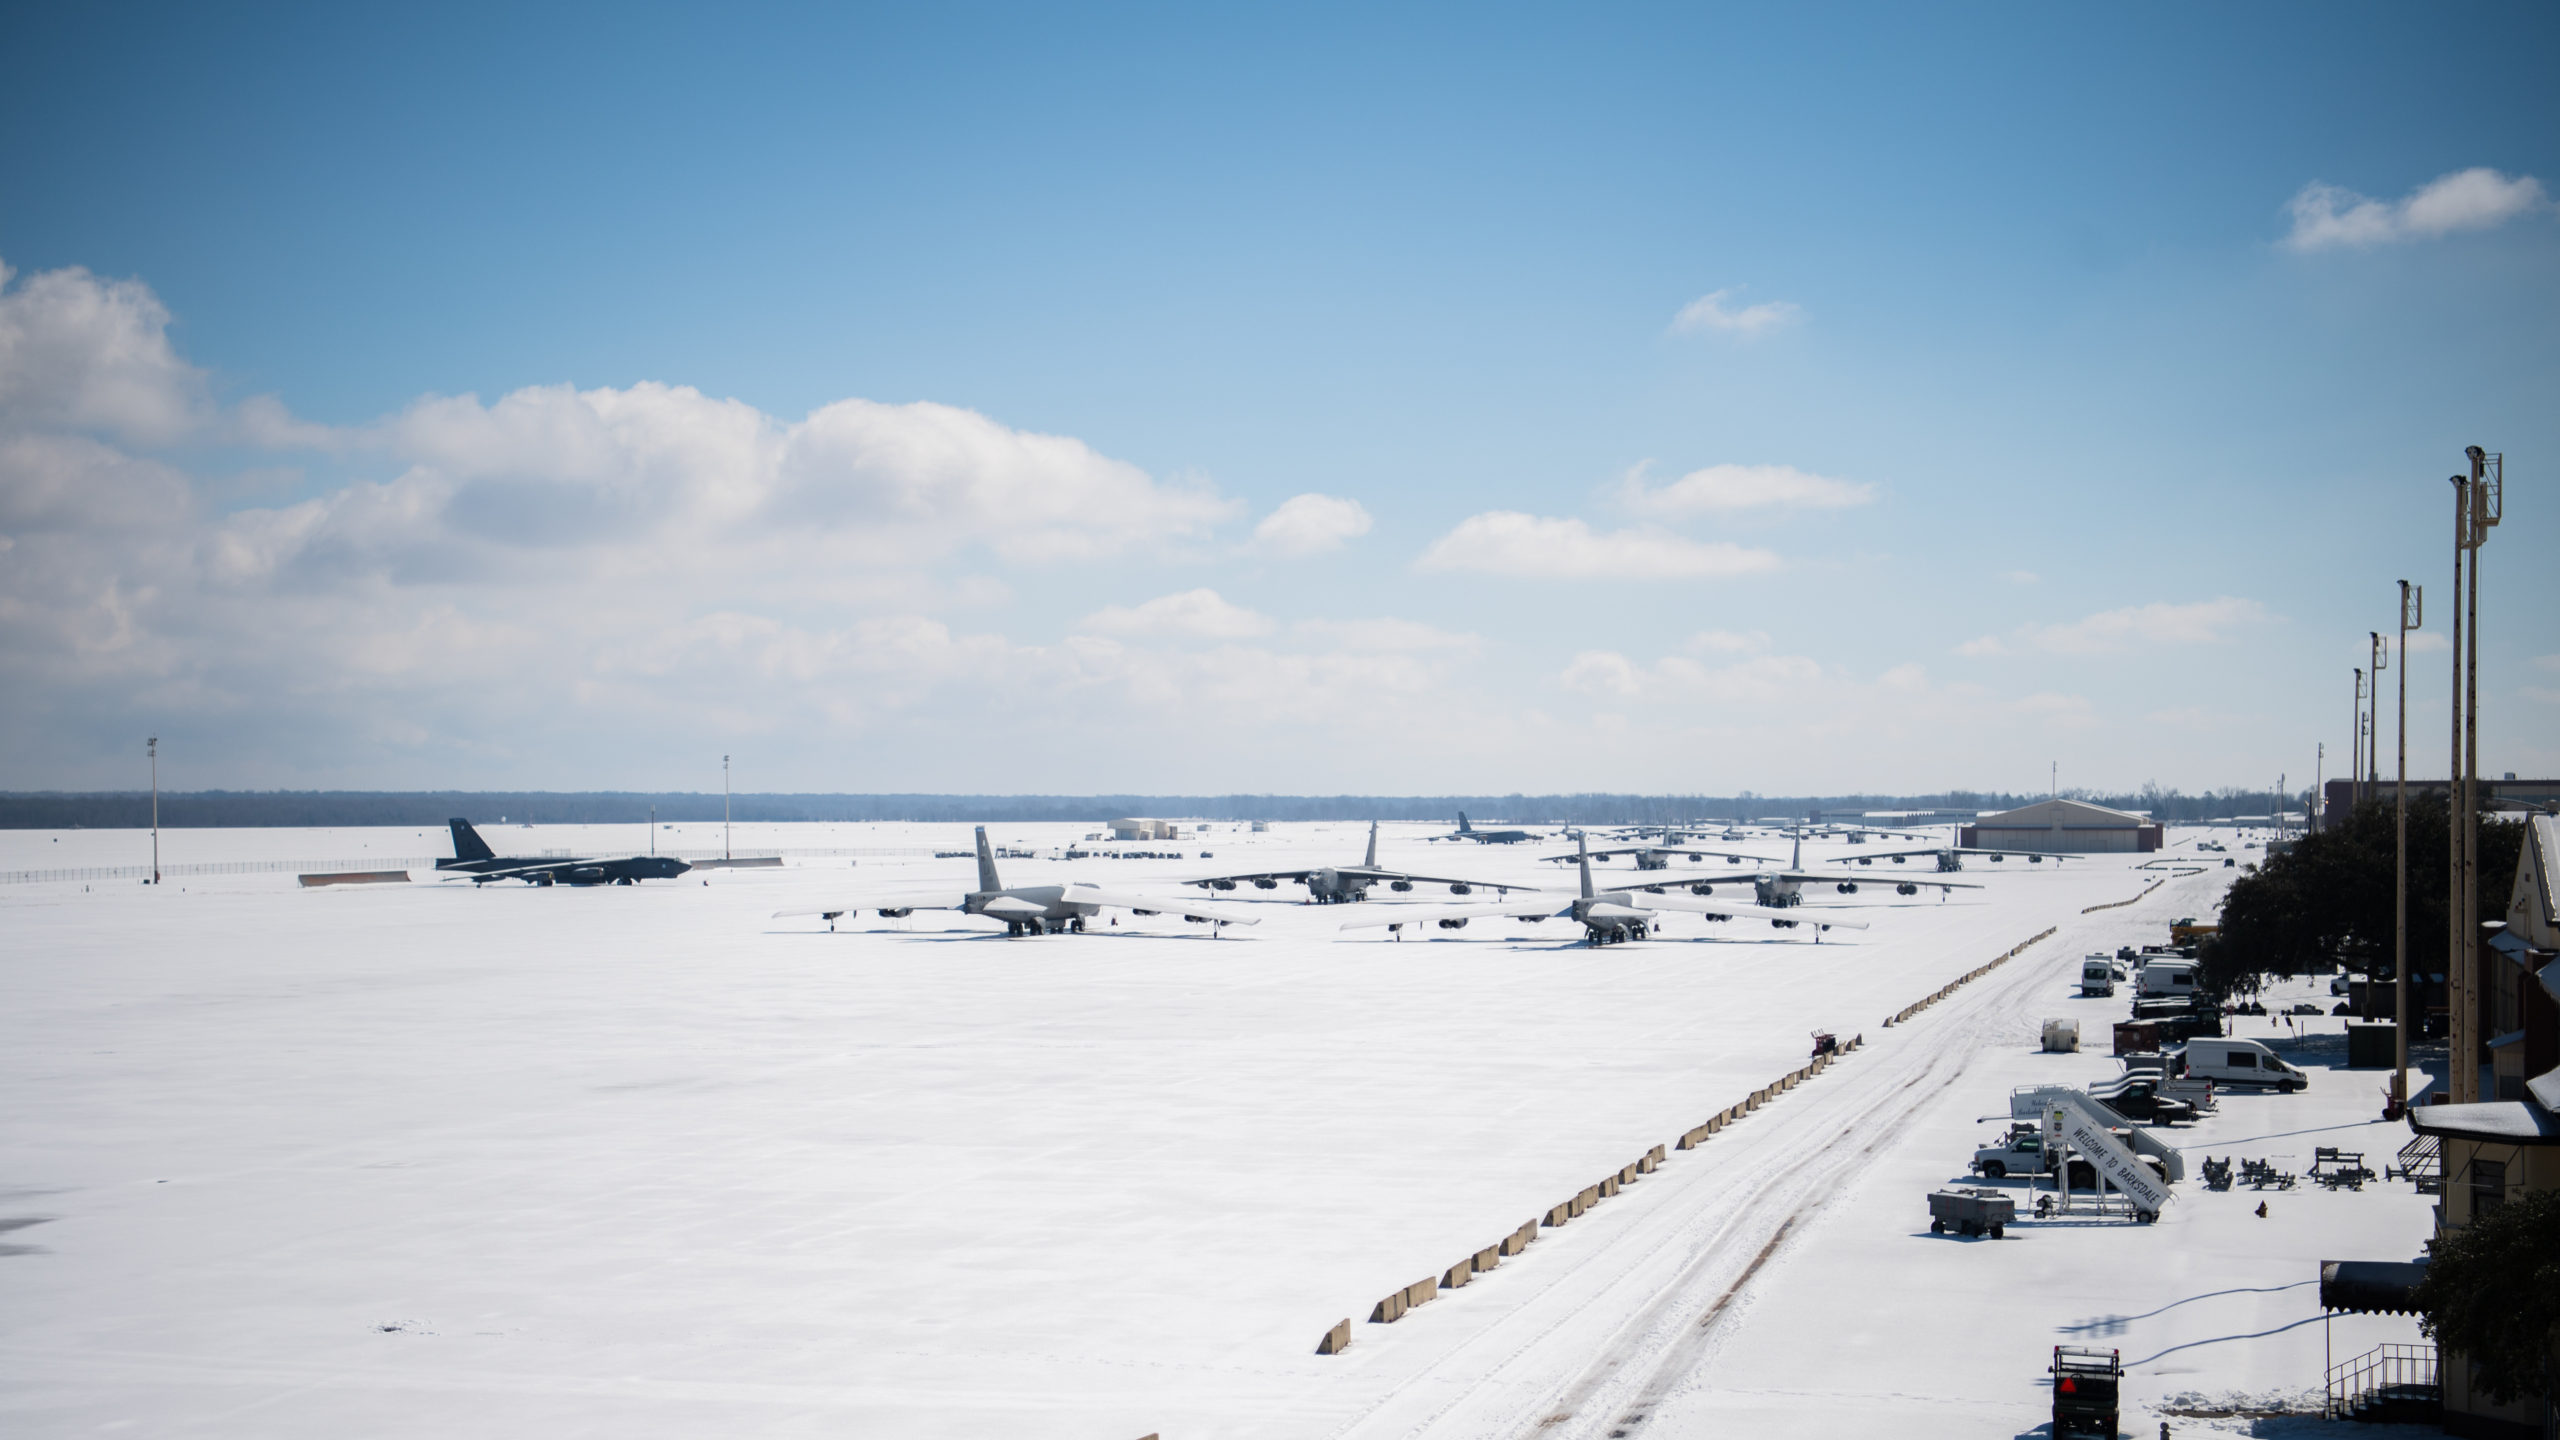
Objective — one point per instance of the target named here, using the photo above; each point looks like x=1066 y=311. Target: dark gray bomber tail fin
x=1463 y=827
x=1582 y=847
x=986 y=864
x=467 y=844
x=1372 y=861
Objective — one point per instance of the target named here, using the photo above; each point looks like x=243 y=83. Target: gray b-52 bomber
x=1027 y=909
x=475 y=861
x=1337 y=884
x=1777 y=889
x=1606 y=916
x=1950 y=858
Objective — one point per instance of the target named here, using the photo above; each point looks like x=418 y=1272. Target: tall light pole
x=724 y=807
x=2480 y=501
x=151 y=751
x=2371 y=777
x=2355 y=754
x=2412 y=611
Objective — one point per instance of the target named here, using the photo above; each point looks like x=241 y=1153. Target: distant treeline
x=253 y=808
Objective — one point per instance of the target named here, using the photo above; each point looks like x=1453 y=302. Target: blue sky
x=2034 y=404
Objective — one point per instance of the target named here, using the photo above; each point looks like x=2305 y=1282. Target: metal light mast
x=2355 y=754
x=2371 y=776
x=2412 y=610
x=724 y=807
x=151 y=751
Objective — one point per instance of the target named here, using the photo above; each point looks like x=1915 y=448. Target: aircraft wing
x=518 y=872
x=1223 y=914
x=1365 y=872
x=1695 y=905
x=1931 y=852
x=1833 y=877
x=1382 y=916
x=1244 y=876
x=1670 y=850
x=916 y=900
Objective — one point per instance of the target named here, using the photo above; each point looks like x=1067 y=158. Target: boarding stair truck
x=2085 y=1387
x=2097 y=976
x=2131 y=1162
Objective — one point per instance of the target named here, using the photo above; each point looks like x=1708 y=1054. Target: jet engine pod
x=1867 y=859
x=1848 y=887
x=1462 y=888
x=1906 y=888
x=1266 y=884
x=1996 y=859
x=1400 y=885
x=2035 y=859
x=1782 y=924
x=1694 y=859
x=1145 y=912
x=1455 y=922
x=896 y=913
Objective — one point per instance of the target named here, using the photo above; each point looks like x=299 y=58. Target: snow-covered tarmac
x=429 y=1159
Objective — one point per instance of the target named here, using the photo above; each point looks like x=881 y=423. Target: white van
x=2240 y=1062
x=2097 y=976
x=2165 y=977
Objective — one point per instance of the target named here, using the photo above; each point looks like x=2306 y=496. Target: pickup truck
x=2140 y=1099
x=2021 y=1152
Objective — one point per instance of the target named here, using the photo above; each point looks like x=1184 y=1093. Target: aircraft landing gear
x=1077 y=924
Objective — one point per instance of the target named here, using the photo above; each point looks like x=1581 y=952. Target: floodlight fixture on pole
x=2412 y=611
x=151 y=751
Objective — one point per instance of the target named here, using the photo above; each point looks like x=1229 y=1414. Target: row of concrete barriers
x=1398 y=1303
x=2120 y=904
x=1967 y=978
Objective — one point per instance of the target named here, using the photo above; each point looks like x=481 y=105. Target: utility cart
x=1970 y=1210
x=2084 y=1391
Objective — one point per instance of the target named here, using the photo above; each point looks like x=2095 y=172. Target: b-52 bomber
x=1950 y=858
x=1466 y=831
x=1607 y=917
x=1777 y=889
x=1027 y=909
x=475 y=861
x=1338 y=884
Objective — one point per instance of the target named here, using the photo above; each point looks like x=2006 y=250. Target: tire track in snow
x=1957 y=1042
x=1708 y=1236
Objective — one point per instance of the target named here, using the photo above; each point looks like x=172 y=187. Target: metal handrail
x=2384 y=1367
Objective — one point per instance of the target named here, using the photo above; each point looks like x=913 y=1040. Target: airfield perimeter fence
x=401 y=862
x=1396 y=1304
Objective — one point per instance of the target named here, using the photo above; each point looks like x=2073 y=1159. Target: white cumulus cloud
x=1742 y=487
x=2329 y=216
x=1201 y=614
x=1508 y=542
x=2201 y=622
x=1311 y=524
x=1709 y=312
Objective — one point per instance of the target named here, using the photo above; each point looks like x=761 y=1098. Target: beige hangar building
x=2063 y=827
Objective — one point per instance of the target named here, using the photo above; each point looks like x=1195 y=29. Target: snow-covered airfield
x=429 y=1160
